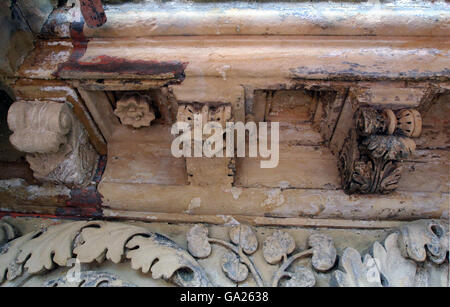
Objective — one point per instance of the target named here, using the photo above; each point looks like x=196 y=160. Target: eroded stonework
x=57 y=146
x=415 y=254
x=369 y=161
x=135 y=110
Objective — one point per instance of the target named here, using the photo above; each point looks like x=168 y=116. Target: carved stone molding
x=369 y=161
x=204 y=171
x=134 y=110
x=209 y=113
x=57 y=146
x=415 y=254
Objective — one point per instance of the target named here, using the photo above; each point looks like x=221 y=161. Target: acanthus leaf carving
x=105 y=242
x=355 y=271
x=416 y=254
x=51 y=246
x=143 y=251
x=43 y=250
x=396 y=270
x=423 y=238
x=369 y=161
x=10 y=269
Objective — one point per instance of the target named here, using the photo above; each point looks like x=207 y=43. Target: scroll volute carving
x=39 y=127
x=56 y=144
x=369 y=161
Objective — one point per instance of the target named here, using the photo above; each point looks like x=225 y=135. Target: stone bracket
x=57 y=146
x=369 y=161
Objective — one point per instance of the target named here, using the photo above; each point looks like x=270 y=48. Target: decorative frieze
x=57 y=146
x=415 y=254
x=369 y=161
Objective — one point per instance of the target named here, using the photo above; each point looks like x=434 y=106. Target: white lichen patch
x=52 y=61
x=33 y=191
x=12 y=183
x=195 y=203
x=274 y=198
x=69 y=91
x=38 y=192
x=236 y=192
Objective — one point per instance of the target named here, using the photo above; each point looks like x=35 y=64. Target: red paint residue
x=93 y=13
x=108 y=64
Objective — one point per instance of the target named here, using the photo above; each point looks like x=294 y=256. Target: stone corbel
x=57 y=146
x=203 y=171
x=369 y=161
x=208 y=113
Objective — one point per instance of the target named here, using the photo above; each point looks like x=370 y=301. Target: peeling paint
x=105 y=64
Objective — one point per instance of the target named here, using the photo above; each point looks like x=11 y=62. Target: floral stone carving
x=98 y=241
x=220 y=114
x=369 y=161
x=415 y=254
x=134 y=110
x=57 y=146
x=236 y=263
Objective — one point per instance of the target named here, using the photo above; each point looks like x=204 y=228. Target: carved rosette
x=57 y=145
x=369 y=161
x=134 y=110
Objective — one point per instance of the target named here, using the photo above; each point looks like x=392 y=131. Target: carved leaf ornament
x=370 y=158
x=416 y=254
x=280 y=244
x=97 y=241
x=401 y=260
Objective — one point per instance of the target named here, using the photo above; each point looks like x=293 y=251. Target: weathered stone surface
x=369 y=158
x=425 y=238
x=330 y=18
x=148 y=250
x=233 y=268
x=42 y=250
x=135 y=110
x=243 y=235
x=198 y=244
x=324 y=252
x=56 y=144
x=397 y=271
x=277 y=246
